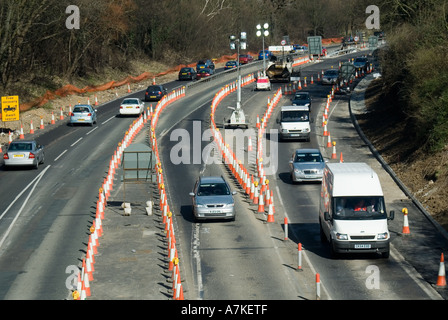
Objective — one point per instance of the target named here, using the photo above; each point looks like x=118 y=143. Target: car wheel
x=43 y=158
x=36 y=166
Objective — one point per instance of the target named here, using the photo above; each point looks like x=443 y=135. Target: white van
x=294 y=122
x=352 y=212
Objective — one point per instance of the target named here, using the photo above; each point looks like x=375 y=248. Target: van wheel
x=333 y=253
x=386 y=254
x=323 y=238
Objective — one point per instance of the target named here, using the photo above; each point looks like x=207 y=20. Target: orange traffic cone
x=441 y=280
x=271 y=213
x=405 y=222
x=22 y=136
x=31 y=127
x=333 y=155
x=341 y=159
x=329 y=141
x=261 y=202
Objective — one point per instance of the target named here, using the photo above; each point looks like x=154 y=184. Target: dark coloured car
x=267 y=54
x=187 y=73
x=205 y=64
x=204 y=73
x=155 y=93
x=231 y=65
x=361 y=63
x=302 y=99
x=330 y=76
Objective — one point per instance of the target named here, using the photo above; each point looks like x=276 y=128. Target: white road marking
x=91 y=131
x=56 y=159
x=75 y=142
x=313 y=270
x=108 y=120
x=35 y=182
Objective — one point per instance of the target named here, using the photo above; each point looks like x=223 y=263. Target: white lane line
x=56 y=159
x=108 y=120
x=23 y=205
x=414 y=275
x=91 y=131
x=196 y=256
x=304 y=254
x=75 y=142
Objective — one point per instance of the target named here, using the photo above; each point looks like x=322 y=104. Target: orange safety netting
x=71 y=89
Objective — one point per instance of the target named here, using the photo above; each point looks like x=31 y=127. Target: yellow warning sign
x=10 y=108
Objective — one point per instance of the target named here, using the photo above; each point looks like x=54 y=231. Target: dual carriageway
x=46 y=213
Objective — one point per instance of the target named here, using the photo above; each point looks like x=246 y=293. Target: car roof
x=294 y=108
x=307 y=150
x=211 y=179
x=22 y=141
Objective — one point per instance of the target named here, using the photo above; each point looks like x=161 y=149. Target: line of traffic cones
x=83 y=290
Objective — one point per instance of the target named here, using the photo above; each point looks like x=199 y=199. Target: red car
x=245 y=58
x=204 y=73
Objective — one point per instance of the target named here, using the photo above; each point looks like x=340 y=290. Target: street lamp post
x=238 y=116
x=263 y=34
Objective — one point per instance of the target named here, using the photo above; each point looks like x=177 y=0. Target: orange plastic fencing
x=71 y=89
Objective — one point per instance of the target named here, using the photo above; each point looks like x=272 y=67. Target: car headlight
x=306 y=130
x=285 y=130
x=341 y=236
x=297 y=171
x=307 y=105
x=199 y=205
x=382 y=236
x=230 y=205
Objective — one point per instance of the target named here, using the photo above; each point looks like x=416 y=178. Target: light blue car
x=83 y=114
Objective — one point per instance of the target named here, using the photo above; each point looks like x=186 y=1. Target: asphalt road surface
x=45 y=214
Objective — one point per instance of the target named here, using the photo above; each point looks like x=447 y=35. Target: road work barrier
x=83 y=290
x=254 y=186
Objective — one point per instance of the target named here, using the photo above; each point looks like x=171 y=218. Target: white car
x=263 y=83
x=132 y=106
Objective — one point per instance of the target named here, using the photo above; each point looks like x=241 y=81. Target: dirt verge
x=425 y=175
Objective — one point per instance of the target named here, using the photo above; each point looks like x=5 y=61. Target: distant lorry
x=294 y=122
x=315 y=46
x=352 y=211
x=279 y=69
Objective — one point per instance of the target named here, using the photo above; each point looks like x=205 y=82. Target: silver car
x=306 y=165
x=330 y=76
x=24 y=153
x=213 y=199
x=83 y=113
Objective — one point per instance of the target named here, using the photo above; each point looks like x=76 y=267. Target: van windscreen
x=295 y=116
x=359 y=208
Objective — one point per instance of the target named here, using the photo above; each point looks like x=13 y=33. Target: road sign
x=10 y=108
x=283 y=42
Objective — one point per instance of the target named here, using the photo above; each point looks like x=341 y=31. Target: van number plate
x=363 y=246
